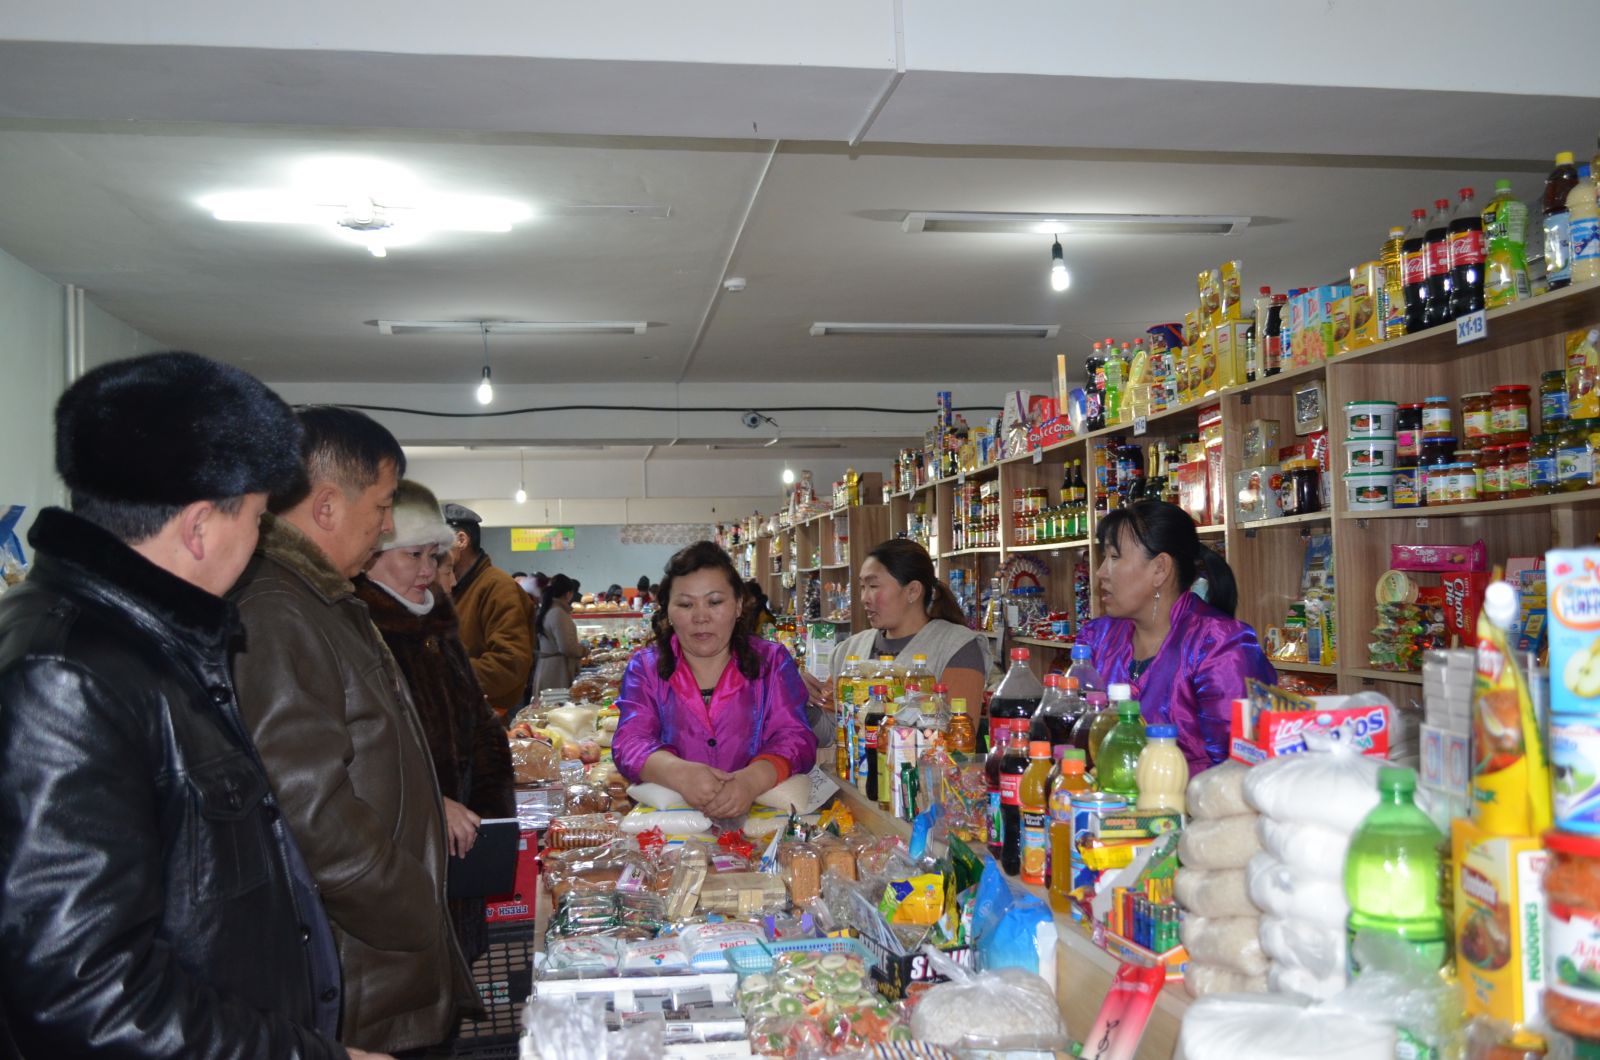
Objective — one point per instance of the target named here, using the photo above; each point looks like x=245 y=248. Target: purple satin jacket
x=1193 y=680
x=746 y=718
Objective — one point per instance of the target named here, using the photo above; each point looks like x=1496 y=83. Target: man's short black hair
x=474 y=531
x=345 y=447
x=133 y=522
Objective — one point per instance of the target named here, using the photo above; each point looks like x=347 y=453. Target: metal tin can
x=1575 y=768
x=1091 y=804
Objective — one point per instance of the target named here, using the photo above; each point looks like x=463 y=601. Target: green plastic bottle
x=1391 y=875
x=1117 y=767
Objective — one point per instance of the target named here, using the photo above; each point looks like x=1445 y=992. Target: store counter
x=1083 y=970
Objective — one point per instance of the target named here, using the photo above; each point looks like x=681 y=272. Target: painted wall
x=599 y=560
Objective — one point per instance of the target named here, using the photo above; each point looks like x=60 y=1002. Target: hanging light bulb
x=788 y=476
x=521 y=496
x=485 y=388
x=1060 y=279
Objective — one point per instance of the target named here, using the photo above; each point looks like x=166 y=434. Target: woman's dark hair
x=704 y=555
x=757 y=596
x=559 y=586
x=644 y=583
x=907 y=562
x=1159 y=528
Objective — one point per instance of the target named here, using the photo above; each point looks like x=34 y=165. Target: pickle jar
x=1552 y=400
x=1476 y=420
x=1574 y=457
x=1519 y=476
x=1510 y=411
x=1542 y=463
x=1494 y=471
x=1436 y=418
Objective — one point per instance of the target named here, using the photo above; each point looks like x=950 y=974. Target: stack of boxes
x=1446 y=730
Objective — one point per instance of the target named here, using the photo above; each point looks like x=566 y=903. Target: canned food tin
x=1575 y=769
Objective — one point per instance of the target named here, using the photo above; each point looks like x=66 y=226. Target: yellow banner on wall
x=543 y=539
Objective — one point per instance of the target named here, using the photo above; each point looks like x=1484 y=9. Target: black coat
x=152 y=903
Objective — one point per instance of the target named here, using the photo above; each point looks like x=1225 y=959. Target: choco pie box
x=1257 y=735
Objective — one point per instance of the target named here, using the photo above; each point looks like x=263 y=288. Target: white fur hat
x=417 y=520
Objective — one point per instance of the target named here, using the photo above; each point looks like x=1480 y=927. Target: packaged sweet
x=587 y=954
x=583 y=830
x=918 y=900
x=653 y=957
x=751 y=894
x=584 y=798
x=534 y=762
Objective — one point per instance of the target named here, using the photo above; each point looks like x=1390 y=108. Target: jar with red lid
x=1493 y=472
x=1510 y=413
x=1475 y=420
x=1519 y=471
x=1572 y=920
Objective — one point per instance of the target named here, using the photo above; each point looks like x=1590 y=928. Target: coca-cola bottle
x=1466 y=257
x=1437 y=249
x=1414 y=258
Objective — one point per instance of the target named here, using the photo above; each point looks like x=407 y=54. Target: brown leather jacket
x=347 y=757
x=494 y=613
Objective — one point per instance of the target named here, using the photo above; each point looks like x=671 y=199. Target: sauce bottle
x=1012 y=766
x=1163 y=772
x=1034 y=802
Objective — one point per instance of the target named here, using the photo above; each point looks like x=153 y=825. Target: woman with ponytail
x=1167 y=627
x=913 y=613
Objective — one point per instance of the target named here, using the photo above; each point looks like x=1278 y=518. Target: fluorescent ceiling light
x=993 y=331
x=516 y=327
x=1075 y=223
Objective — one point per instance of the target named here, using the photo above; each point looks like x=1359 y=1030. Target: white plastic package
x=1220 y=843
x=705 y=944
x=1003 y=1010
x=653 y=956
x=657 y=796
x=681 y=821
x=806 y=793
x=1330 y=785
x=588 y=953
x=1232 y=942
x=1214 y=892
x=1270 y=1028
x=1203 y=979
x=1276 y=891
x=1218 y=792
x=1313 y=948
x=1313 y=851
x=1299 y=983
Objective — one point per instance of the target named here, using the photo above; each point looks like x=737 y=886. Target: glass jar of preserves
x=1492 y=467
x=1574 y=457
x=1464 y=488
x=1476 y=425
x=1472 y=459
x=1408 y=433
x=1435 y=454
x=1572 y=902
x=1436 y=418
x=1305 y=485
x=1542 y=463
x=1510 y=411
x=1441 y=477
x=1552 y=400
x=1519 y=477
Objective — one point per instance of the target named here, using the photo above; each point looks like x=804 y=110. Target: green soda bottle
x=1391 y=875
x=1117 y=766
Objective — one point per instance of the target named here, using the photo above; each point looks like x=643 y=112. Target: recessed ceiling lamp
x=373 y=204
x=1060 y=278
x=1109 y=224
x=969 y=331
x=521 y=496
x=485 y=388
x=516 y=327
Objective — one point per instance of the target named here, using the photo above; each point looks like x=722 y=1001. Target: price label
x=1140 y=425
x=1038 y=455
x=1471 y=328
x=961 y=479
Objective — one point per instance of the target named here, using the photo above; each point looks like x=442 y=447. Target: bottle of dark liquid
x=1272 y=350
x=1058 y=712
x=1012 y=766
x=1096 y=703
x=991 y=783
x=1414 y=265
x=1094 y=389
x=1558 y=221
x=871 y=733
x=1437 y=249
x=1016 y=699
x=1466 y=257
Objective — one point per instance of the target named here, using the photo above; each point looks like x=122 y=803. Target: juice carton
x=1298 y=350
x=1366 y=323
x=1499 y=922
x=1572 y=584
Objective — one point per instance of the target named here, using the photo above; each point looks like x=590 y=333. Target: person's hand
x=362 y=1054
x=461 y=827
x=738 y=794
x=699 y=784
x=818 y=694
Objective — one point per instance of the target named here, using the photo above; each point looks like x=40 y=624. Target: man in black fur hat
x=152 y=901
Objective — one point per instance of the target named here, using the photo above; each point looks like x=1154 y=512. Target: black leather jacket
x=152 y=903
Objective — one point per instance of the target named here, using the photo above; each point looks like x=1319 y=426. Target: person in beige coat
x=560 y=651
x=344 y=749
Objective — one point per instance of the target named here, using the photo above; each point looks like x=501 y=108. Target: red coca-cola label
x=1415 y=267
x=1011 y=789
x=1466 y=248
x=1439 y=257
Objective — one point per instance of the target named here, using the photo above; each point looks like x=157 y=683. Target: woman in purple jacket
x=1167 y=627
x=710 y=710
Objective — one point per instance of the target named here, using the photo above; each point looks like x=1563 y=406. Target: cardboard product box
x=1463 y=599
x=1046 y=424
x=1261 y=443
x=1446 y=761
x=522 y=902
x=1499 y=922
x=1254 y=738
x=1366 y=322
x=1328 y=300
x=1210 y=379
x=1572 y=583
x=900 y=977
x=1229 y=339
x=1256 y=494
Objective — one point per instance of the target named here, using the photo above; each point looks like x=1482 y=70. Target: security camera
x=751 y=419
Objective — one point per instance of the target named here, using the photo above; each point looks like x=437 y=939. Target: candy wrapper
x=829 y=995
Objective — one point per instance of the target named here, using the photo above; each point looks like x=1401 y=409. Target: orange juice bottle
x=1068 y=783
x=1035 y=799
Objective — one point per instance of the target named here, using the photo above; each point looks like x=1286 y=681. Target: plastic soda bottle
x=1437 y=252
x=1069 y=781
x=1016 y=699
x=1012 y=766
x=1557 y=222
x=1034 y=798
x=1505 y=228
x=844 y=700
x=1162 y=772
x=1584 y=228
x=1082 y=668
x=1414 y=270
x=1391 y=874
x=962 y=736
x=1466 y=257
x=1117 y=765
x=872 y=716
x=1083 y=730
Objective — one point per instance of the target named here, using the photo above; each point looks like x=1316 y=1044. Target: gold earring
x=1156 y=604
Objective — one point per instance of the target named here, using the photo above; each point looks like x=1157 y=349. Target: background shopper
x=560 y=650
x=493 y=611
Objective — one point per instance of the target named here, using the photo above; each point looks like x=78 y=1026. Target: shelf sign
x=1141 y=425
x=1038 y=455
x=1471 y=328
x=543 y=539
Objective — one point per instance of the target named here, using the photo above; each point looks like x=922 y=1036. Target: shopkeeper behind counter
x=1167 y=627
x=913 y=613
x=710 y=710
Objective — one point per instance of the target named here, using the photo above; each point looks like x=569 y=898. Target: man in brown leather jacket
x=494 y=614
x=342 y=743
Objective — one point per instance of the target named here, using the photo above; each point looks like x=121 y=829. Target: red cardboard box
x=1283 y=732
x=1463 y=599
x=522 y=902
x=1046 y=424
x=1439 y=558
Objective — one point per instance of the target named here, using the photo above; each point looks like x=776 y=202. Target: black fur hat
x=175 y=428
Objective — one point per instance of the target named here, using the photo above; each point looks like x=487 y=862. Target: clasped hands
x=715 y=792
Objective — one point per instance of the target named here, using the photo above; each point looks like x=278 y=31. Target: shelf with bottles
x=1052 y=546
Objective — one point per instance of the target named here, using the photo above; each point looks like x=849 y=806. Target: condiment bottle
x=962 y=736
x=1163 y=772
